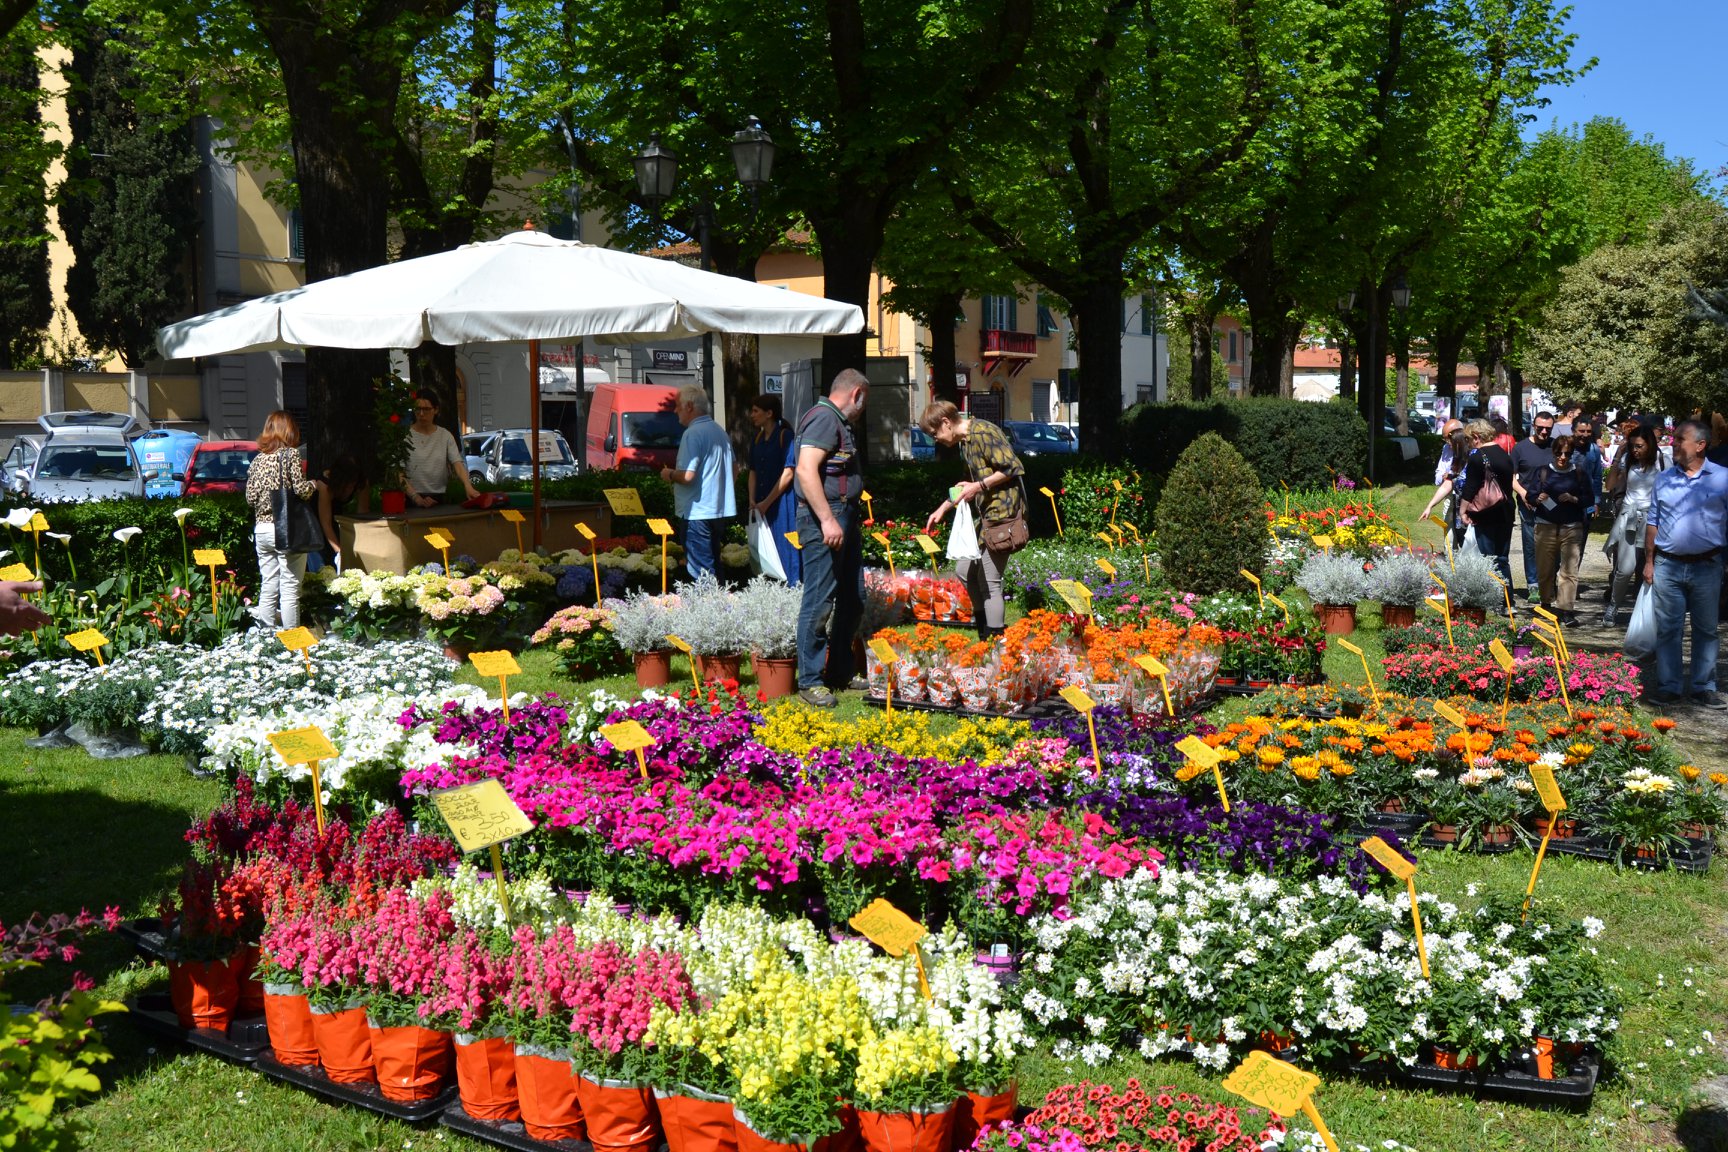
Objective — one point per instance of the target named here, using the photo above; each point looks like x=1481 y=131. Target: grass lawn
x=88 y=833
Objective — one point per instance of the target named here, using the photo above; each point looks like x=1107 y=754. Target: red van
x=634 y=427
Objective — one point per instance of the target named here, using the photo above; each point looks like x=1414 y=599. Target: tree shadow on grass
x=1702 y=1130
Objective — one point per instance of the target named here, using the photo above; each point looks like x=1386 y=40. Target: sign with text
x=1547 y=787
x=884 y=651
x=297 y=639
x=678 y=642
x=1076 y=595
x=1388 y=858
x=659 y=526
x=624 y=501
x=1501 y=656
x=209 y=557
x=302 y=745
x=929 y=545
x=87 y=640
x=1450 y=714
x=499 y=663
x=889 y=928
x=1272 y=1084
x=1077 y=699
x=584 y=531
x=512 y=516
x=627 y=736
x=481 y=815
x=1153 y=665
x=1106 y=567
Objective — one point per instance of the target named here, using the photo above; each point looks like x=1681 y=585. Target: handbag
x=297 y=526
x=1008 y=535
x=1487 y=496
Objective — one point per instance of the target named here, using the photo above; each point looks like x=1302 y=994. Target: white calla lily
x=63 y=537
x=124 y=535
x=20 y=517
x=180 y=514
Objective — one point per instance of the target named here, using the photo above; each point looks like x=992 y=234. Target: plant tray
x=1573 y=1092
x=1406 y=824
x=245 y=1040
x=145 y=935
x=312 y=1079
x=507 y=1133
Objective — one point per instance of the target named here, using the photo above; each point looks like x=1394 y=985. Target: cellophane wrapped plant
x=611 y=994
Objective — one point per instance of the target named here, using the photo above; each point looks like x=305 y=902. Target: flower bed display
x=1440 y=671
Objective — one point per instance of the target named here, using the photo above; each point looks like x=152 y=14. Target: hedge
x=1294 y=442
x=222 y=520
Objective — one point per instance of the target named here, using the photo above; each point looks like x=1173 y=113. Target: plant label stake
x=442 y=543
x=660 y=528
x=1549 y=790
x=894 y=932
x=17 y=572
x=1404 y=870
x=1451 y=715
x=1324 y=543
x=1286 y=488
x=624 y=501
x=887 y=550
x=792 y=539
x=1076 y=595
x=311 y=747
x=1280 y=1087
x=1349 y=647
x=1109 y=540
x=1156 y=667
x=1202 y=756
x=502 y=665
x=629 y=736
x=587 y=534
x=869 y=508
x=1285 y=607
x=1083 y=704
x=483 y=816
x=1106 y=567
x=1053 y=510
x=1559 y=636
x=1504 y=659
x=683 y=646
x=211 y=558
x=299 y=640
x=1254 y=580
x=1506 y=591
x=89 y=640
x=1136 y=532
x=1146 y=563
x=930 y=550
x=1443 y=605
x=886 y=656
x=1559 y=668
x=515 y=519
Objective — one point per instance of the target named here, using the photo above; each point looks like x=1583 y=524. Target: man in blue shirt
x=701 y=482
x=1684 y=534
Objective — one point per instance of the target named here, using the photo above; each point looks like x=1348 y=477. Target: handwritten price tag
x=1384 y=855
x=1501 y=656
x=1076 y=595
x=498 y=663
x=1446 y=712
x=297 y=639
x=302 y=745
x=1152 y=665
x=1198 y=751
x=86 y=640
x=1547 y=787
x=884 y=651
x=627 y=735
x=889 y=928
x=624 y=501
x=14 y=572
x=1272 y=1084
x=481 y=815
x=209 y=557
x=659 y=527
x=437 y=540
x=927 y=544
x=1077 y=699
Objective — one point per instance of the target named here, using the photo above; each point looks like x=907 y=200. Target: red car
x=219 y=466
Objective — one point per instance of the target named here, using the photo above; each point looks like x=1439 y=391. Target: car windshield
x=553 y=450
x=652 y=430
x=87 y=462
x=224 y=464
x=1063 y=433
x=1040 y=432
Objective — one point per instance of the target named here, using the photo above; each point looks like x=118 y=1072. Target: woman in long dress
x=772 y=454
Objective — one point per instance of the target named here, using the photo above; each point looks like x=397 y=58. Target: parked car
x=163 y=453
x=923 y=448
x=20 y=462
x=86 y=456
x=219 y=466
x=474 y=454
x=633 y=426
x=1035 y=438
x=507 y=457
x=1415 y=421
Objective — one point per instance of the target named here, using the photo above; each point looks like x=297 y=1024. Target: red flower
x=395 y=417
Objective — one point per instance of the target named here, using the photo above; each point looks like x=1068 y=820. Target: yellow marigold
x=1719 y=778
x=1690 y=772
x=1309 y=771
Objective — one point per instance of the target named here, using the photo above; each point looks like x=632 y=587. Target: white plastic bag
x=763 y=551
x=1641 y=633
x=1469 y=542
x=963 y=537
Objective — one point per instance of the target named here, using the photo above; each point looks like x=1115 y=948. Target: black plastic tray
x=145 y=935
x=1477 y=849
x=246 y=1039
x=939 y=709
x=505 y=1133
x=312 y=1079
x=1574 y=1092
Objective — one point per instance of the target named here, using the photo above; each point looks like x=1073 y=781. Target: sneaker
x=1662 y=699
x=858 y=684
x=818 y=697
x=1610 y=618
x=1710 y=700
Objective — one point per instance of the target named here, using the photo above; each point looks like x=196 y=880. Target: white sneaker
x=1610 y=617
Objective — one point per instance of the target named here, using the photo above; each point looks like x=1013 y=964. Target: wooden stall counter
x=398 y=543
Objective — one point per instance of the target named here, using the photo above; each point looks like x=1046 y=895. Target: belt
x=1692 y=558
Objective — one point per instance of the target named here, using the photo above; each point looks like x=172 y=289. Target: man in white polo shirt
x=701 y=482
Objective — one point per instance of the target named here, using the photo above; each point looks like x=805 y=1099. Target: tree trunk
x=850 y=241
x=1274 y=338
x=1514 y=399
x=1346 y=367
x=1200 y=349
x=1448 y=346
x=943 y=385
x=1098 y=316
x=741 y=365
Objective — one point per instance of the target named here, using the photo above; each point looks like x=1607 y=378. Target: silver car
x=506 y=457
x=20 y=462
x=85 y=456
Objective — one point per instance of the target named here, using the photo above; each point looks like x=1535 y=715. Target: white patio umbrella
x=524 y=286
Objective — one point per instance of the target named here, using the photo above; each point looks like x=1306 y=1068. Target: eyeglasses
x=1544 y=427
x=424 y=408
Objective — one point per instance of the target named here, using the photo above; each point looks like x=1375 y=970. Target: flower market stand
x=398 y=543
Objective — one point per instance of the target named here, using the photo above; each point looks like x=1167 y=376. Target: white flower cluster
x=377 y=590
x=474 y=899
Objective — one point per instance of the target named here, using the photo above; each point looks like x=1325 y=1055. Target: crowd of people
x=1660 y=495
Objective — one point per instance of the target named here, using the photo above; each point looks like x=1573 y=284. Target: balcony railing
x=1004 y=343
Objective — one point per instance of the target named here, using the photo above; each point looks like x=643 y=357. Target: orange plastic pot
x=250 y=1001
x=486 y=1078
x=344 y=1046
x=1544 y=1049
x=203 y=993
x=907 y=1131
x=620 y=1115
x=290 y=1025
x=1449 y=1060
x=977 y=1111
x=546 y=1091
x=696 y=1121
x=412 y=1063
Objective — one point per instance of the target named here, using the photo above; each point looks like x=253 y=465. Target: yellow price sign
x=1153 y=665
x=1448 y=713
x=1077 y=699
x=884 y=651
x=1285 y=607
x=927 y=544
x=1349 y=647
x=584 y=531
x=659 y=526
x=889 y=928
x=1272 y=1084
x=16 y=572
x=627 y=736
x=1438 y=523
x=1082 y=703
x=86 y=641
x=1047 y=492
x=1106 y=567
x=624 y=501
x=1116 y=484
x=1249 y=576
x=1198 y=751
x=481 y=815
x=209 y=557
x=678 y=642
x=1075 y=594
x=882 y=539
x=302 y=745
x=512 y=516
x=499 y=663
x=1107 y=538
x=1501 y=656
x=438 y=540
x=1366 y=671
x=1324 y=543
x=38 y=523
x=864 y=496
x=297 y=639
x=792 y=539
x=1547 y=787
x=1388 y=858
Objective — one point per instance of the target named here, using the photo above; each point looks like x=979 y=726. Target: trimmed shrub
x=1293 y=441
x=221 y=520
x=1211 y=519
x=656 y=493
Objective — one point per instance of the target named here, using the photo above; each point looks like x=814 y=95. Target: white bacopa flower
x=124 y=535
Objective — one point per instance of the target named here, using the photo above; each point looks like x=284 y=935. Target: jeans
x=833 y=599
x=279 y=573
x=1559 y=548
x=1679 y=589
x=702 y=540
x=1495 y=542
x=983 y=578
x=1527 y=532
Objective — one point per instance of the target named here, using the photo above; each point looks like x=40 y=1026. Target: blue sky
x=1659 y=69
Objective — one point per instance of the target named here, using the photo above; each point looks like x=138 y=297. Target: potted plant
x=392 y=417
x=200 y=945
x=402 y=947
x=1399 y=581
x=640 y=623
x=905 y=1089
x=614 y=993
x=769 y=609
x=1493 y=815
x=1448 y=807
x=1334 y=583
x=537 y=1021
x=1643 y=816
x=707 y=618
x=583 y=640
x=466 y=612
x=1474 y=586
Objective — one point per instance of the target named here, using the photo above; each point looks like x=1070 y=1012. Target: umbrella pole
x=534 y=429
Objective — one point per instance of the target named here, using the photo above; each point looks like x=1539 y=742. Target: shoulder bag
x=297 y=526
x=1008 y=535
x=1487 y=496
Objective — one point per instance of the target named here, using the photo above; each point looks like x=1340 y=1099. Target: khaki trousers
x=1559 y=548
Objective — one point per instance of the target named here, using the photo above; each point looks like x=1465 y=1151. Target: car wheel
x=476 y=478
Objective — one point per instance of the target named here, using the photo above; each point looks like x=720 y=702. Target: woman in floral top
x=277 y=465
x=994 y=488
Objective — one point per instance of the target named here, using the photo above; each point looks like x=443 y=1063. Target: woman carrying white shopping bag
x=994 y=496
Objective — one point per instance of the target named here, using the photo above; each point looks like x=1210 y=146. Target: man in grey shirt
x=828 y=479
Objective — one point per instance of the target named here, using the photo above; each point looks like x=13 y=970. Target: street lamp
x=656 y=172
x=753 y=155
